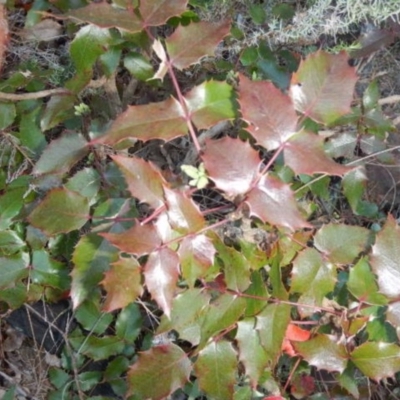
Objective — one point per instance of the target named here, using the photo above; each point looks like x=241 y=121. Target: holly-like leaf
x=161 y=274
x=272 y=323
x=362 y=284
x=163 y=120
x=384 y=259
x=251 y=353
x=273 y=201
x=210 y=103
x=184 y=216
x=105 y=15
x=129 y=323
x=377 y=360
x=60 y=211
x=393 y=314
x=158 y=372
x=196 y=255
x=313 y=277
x=323 y=352
x=305 y=154
x=323 y=86
x=216 y=369
x=58 y=109
x=144 y=181
x=222 y=313
x=138 y=240
x=61 y=154
x=231 y=164
x=157 y=12
x=270 y=113
x=341 y=243
x=188 y=44
x=122 y=283
x=98 y=348
x=13 y=268
x=92 y=257
x=187 y=315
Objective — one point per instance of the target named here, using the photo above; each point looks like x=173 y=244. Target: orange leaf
x=293 y=332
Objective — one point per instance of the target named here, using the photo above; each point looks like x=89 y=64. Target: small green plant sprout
x=81 y=109
x=198 y=175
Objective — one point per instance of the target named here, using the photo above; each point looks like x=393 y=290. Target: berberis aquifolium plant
x=122 y=192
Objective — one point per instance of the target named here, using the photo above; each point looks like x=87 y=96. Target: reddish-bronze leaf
x=161 y=274
x=305 y=154
x=158 y=372
x=3 y=33
x=295 y=333
x=105 y=15
x=273 y=201
x=157 y=12
x=122 y=283
x=139 y=240
x=190 y=43
x=184 y=216
x=196 y=254
x=323 y=86
x=269 y=112
x=231 y=164
x=163 y=120
x=144 y=181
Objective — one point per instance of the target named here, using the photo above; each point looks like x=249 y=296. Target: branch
x=33 y=95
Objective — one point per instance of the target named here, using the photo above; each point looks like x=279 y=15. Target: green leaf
x=377 y=360
x=10 y=205
x=58 y=109
x=49 y=272
x=371 y=96
x=10 y=243
x=188 y=311
x=92 y=257
x=257 y=13
x=62 y=154
x=138 y=66
x=129 y=323
x=210 y=103
x=86 y=182
x=158 y=372
x=88 y=379
x=341 y=243
x=384 y=259
x=222 y=313
x=98 y=348
x=313 y=277
x=60 y=211
x=271 y=326
x=249 y=56
x=89 y=315
x=13 y=268
x=258 y=289
x=252 y=354
x=7 y=114
x=216 y=368
x=323 y=352
x=362 y=284
x=58 y=377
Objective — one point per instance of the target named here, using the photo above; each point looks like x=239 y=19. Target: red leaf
x=302 y=386
x=105 y=15
x=144 y=181
x=158 y=372
x=122 y=283
x=270 y=113
x=273 y=201
x=161 y=274
x=183 y=214
x=293 y=332
x=163 y=120
x=231 y=164
x=157 y=12
x=190 y=43
x=305 y=154
x=323 y=86
x=138 y=240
